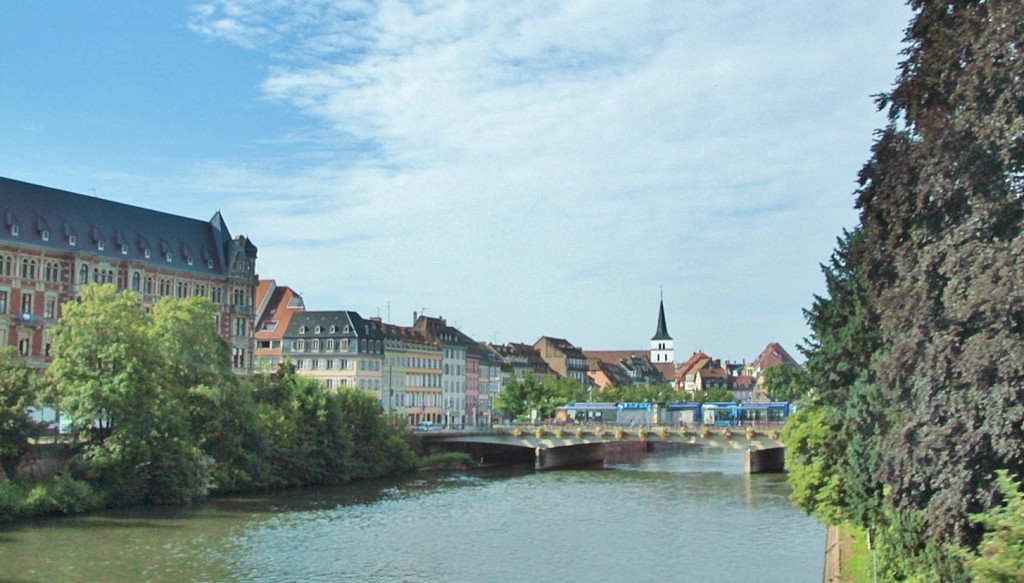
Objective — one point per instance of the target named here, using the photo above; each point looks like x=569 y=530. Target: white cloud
x=518 y=154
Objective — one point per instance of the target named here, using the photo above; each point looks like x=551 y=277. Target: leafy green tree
x=812 y=455
x=713 y=395
x=105 y=366
x=520 y=398
x=1000 y=556
x=18 y=391
x=193 y=351
x=785 y=383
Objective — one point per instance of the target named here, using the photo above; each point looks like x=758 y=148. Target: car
x=427 y=426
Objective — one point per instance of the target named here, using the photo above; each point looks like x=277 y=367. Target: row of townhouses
x=53 y=242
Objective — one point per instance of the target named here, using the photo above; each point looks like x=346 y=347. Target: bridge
x=551 y=447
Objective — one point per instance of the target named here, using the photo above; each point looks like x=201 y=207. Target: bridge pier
x=771 y=460
x=561 y=457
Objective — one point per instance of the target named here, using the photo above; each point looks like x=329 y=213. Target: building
x=566 y=360
x=53 y=242
x=413 y=371
x=275 y=306
x=622 y=367
x=339 y=349
x=455 y=376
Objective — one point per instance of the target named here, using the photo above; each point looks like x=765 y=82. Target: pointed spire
x=662 y=332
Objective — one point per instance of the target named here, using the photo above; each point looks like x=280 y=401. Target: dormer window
x=302 y=329
x=15 y=230
x=334 y=329
x=99 y=245
x=72 y=240
x=209 y=263
x=169 y=257
x=188 y=260
x=45 y=235
x=124 y=249
x=317 y=330
x=147 y=253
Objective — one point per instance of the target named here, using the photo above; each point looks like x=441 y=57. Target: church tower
x=662 y=348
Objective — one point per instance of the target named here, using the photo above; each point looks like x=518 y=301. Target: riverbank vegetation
x=914 y=385
x=156 y=416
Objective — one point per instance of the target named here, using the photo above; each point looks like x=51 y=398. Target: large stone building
x=53 y=242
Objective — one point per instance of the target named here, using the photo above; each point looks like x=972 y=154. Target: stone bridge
x=549 y=447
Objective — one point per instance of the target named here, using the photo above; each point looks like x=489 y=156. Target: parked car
x=427 y=426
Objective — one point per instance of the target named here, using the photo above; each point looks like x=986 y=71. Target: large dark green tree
x=942 y=210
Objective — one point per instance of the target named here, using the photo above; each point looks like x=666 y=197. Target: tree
x=785 y=383
x=105 y=365
x=520 y=398
x=942 y=219
x=193 y=351
x=17 y=393
x=1000 y=556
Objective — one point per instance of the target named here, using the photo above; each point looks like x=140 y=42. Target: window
x=5 y=265
x=124 y=249
x=182 y=289
x=147 y=253
x=50 y=308
x=188 y=260
x=28 y=268
x=209 y=263
x=302 y=329
x=52 y=272
x=26 y=303
x=314 y=345
x=317 y=330
x=334 y=329
x=15 y=230
x=299 y=345
x=330 y=383
x=3 y=301
x=136 y=281
x=24 y=346
x=330 y=345
x=165 y=287
x=314 y=364
x=169 y=257
x=149 y=286
x=329 y=364
x=240 y=326
x=216 y=295
x=72 y=240
x=83 y=274
x=45 y=235
x=100 y=246
x=298 y=364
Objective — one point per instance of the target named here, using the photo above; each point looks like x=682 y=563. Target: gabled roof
x=43 y=213
x=693 y=364
x=772 y=355
x=275 y=305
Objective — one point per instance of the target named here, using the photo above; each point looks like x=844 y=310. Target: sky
x=520 y=168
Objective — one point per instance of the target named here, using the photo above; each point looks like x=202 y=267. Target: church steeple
x=662 y=332
x=662 y=347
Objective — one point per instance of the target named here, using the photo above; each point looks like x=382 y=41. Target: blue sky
x=519 y=168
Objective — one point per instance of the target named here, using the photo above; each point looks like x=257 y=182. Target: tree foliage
x=519 y=399
x=916 y=358
x=1000 y=556
x=162 y=417
x=18 y=391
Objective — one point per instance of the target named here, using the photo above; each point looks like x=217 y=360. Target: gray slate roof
x=35 y=209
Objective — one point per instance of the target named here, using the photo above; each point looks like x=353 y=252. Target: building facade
x=337 y=348
x=53 y=243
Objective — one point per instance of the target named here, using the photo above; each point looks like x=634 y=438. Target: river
x=690 y=516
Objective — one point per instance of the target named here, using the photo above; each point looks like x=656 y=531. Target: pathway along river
x=691 y=516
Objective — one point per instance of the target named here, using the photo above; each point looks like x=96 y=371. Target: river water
x=691 y=516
